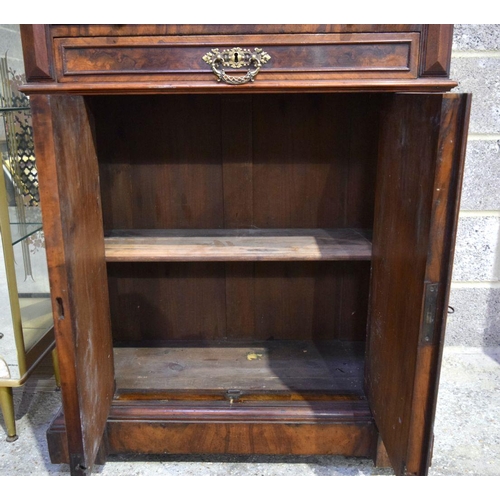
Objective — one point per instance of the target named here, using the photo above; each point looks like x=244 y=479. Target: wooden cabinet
x=259 y=264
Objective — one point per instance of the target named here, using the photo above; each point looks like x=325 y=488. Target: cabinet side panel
x=407 y=159
x=69 y=188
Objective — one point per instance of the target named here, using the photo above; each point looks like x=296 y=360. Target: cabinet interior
x=238 y=240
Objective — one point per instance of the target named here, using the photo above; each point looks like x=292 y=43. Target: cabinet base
x=265 y=428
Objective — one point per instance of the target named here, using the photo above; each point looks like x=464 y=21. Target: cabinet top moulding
x=136 y=59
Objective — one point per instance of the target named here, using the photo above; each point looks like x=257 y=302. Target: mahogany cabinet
x=250 y=233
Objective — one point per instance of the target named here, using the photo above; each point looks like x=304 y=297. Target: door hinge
x=429 y=316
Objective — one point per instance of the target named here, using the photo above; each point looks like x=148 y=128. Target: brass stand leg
x=55 y=363
x=7 y=405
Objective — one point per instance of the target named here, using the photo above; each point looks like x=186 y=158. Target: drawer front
x=292 y=57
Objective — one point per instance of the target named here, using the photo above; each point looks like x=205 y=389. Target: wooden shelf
x=185 y=245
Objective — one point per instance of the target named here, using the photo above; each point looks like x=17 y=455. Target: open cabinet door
x=421 y=155
x=70 y=198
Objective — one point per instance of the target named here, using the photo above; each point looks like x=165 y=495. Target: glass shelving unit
x=26 y=321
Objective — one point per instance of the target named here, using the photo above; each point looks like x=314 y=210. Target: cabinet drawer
x=292 y=57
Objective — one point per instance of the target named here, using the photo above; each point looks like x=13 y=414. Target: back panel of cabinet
x=237 y=162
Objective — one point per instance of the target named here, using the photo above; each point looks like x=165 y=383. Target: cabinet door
x=70 y=198
x=421 y=155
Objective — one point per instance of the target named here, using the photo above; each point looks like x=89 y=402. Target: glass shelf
x=21 y=231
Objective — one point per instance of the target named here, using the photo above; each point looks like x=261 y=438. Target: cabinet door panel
x=69 y=190
x=419 y=176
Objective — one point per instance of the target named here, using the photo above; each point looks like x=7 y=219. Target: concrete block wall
x=475 y=293
x=10 y=44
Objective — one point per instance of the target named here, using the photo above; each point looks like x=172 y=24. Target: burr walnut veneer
x=250 y=232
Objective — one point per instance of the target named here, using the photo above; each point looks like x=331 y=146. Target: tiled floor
x=467 y=433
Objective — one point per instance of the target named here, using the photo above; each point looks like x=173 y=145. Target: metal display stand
x=26 y=322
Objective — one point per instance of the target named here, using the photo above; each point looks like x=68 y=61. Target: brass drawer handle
x=236 y=58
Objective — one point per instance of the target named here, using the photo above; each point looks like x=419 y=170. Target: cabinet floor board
x=244 y=371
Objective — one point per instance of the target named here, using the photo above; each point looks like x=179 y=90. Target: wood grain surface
x=413 y=237
x=158 y=302
x=267 y=428
x=69 y=190
x=401 y=239
x=257 y=368
x=128 y=59
x=81 y=30
x=220 y=237
x=246 y=162
x=326 y=56
x=37 y=52
x=236 y=245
